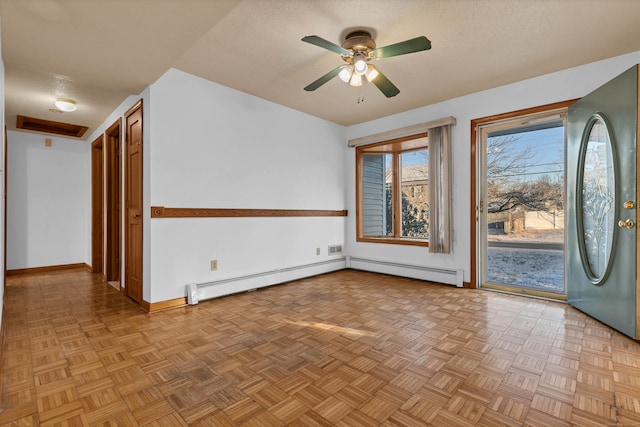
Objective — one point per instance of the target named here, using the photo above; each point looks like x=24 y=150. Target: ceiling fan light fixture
x=65 y=104
x=356 y=80
x=372 y=74
x=360 y=65
x=345 y=73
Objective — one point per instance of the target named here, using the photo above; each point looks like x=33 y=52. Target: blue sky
x=546 y=156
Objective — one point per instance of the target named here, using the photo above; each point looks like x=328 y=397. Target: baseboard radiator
x=203 y=291
x=432 y=274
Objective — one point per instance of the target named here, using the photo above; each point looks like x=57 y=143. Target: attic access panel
x=49 y=126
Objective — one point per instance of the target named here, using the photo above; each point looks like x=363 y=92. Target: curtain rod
x=397 y=133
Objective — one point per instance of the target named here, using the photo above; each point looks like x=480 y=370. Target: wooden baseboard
x=47 y=268
x=151 y=307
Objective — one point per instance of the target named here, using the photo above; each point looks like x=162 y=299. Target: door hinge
x=481 y=206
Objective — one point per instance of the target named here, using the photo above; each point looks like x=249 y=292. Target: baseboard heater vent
x=335 y=250
x=434 y=274
x=202 y=291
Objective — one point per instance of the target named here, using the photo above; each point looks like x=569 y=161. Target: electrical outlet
x=214 y=264
x=317 y=251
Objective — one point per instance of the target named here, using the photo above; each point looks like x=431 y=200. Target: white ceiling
x=100 y=51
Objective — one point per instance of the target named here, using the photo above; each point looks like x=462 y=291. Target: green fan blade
x=402 y=48
x=322 y=80
x=384 y=84
x=319 y=41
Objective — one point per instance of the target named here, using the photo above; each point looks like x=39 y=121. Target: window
x=393 y=191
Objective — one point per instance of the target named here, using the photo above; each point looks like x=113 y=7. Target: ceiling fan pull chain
x=360 y=94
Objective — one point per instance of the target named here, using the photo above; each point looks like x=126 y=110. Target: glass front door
x=522 y=204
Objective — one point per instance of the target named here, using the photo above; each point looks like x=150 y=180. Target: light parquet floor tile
x=342 y=349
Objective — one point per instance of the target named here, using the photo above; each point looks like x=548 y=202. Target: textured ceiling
x=99 y=52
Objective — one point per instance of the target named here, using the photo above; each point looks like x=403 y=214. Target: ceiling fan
x=357 y=50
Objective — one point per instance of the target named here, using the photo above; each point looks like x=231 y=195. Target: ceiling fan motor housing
x=359 y=41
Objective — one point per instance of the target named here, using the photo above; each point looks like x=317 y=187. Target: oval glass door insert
x=598 y=196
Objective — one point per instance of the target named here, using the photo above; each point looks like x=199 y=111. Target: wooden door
x=133 y=202
x=97 y=194
x=602 y=203
x=114 y=195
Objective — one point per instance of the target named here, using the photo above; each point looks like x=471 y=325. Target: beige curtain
x=440 y=189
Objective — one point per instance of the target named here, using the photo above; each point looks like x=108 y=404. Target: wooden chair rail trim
x=162 y=212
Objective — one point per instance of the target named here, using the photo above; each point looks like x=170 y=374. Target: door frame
x=474 y=204
x=97 y=205
x=113 y=212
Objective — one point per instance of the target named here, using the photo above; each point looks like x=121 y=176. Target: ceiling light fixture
x=356 y=80
x=354 y=72
x=360 y=63
x=65 y=104
x=372 y=74
x=345 y=73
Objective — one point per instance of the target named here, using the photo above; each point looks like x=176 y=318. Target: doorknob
x=628 y=204
x=628 y=223
x=137 y=215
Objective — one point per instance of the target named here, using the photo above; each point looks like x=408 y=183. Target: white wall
x=48 y=201
x=214 y=147
x=560 y=86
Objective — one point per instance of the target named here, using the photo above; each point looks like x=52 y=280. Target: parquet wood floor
x=342 y=349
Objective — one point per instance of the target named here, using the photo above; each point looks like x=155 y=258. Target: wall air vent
x=48 y=126
x=335 y=249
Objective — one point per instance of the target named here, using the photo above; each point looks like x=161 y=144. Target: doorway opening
x=520 y=202
x=97 y=182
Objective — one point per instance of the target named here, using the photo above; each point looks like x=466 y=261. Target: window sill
x=394 y=241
